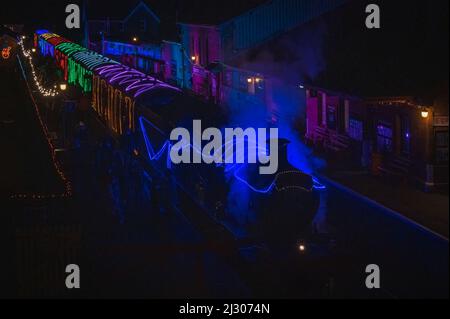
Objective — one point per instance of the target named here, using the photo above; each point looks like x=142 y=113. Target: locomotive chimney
x=283 y=144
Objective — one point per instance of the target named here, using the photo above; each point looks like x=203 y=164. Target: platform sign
x=441 y=121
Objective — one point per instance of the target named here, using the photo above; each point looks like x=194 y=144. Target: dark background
x=407 y=56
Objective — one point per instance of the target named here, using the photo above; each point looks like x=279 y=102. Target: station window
x=384 y=138
x=331 y=117
x=406 y=136
x=143 y=25
x=355 y=129
x=441 y=144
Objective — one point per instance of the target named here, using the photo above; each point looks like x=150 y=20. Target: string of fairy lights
x=28 y=55
x=67 y=184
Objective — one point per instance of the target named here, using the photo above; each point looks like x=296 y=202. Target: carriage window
x=110 y=106
x=118 y=111
x=128 y=111
x=104 y=99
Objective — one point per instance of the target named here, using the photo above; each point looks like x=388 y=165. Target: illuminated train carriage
x=62 y=53
x=50 y=44
x=80 y=67
x=117 y=92
x=54 y=42
x=36 y=37
x=46 y=48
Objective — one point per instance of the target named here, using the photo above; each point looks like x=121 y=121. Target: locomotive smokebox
x=293 y=203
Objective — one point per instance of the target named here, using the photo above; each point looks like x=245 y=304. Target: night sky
x=408 y=55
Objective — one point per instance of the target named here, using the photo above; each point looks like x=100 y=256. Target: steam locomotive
x=130 y=103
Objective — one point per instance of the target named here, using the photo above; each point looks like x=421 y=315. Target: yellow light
x=193 y=58
x=258 y=80
x=302 y=248
x=424 y=114
x=63 y=86
x=249 y=80
x=135 y=39
x=33 y=50
x=24 y=37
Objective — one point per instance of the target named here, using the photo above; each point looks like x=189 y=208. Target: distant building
x=177 y=66
x=409 y=138
x=163 y=60
x=336 y=124
x=145 y=57
x=398 y=137
x=133 y=34
x=223 y=37
x=322 y=72
x=129 y=21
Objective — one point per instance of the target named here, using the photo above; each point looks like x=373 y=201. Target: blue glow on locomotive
x=236 y=169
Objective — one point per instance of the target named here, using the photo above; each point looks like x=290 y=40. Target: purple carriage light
x=131 y=80
x=126 y=74
x=150 y=88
